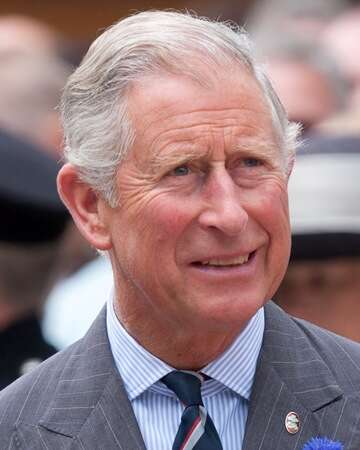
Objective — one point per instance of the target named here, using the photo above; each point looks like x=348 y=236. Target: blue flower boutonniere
x=323 y=444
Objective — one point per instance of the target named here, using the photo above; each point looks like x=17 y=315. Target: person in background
x=306 y=78
x=178 y=158
x=322 y=283
x=30 y=89
x=307 y=59
x=32 y=224
x=342 y=39
x=331 y=27
x=25 y=34
x=307 y=18
x=32 y=76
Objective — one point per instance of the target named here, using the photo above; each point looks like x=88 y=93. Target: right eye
x=180 y=171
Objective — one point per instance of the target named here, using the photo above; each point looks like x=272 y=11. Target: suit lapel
x=291 y=377
x=112 y=424
x=91 y=408
x=90 y=404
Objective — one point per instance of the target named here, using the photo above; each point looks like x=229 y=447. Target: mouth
x=225 y=263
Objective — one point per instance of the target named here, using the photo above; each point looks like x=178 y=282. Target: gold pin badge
x=292 y=423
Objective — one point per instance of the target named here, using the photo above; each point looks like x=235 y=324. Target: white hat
x=324 y=196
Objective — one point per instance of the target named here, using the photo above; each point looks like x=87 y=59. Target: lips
x=225 y=261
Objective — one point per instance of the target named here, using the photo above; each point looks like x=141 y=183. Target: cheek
x=276 y=212
x=275 y=222
x=270 y=208
x=273 y=217
x=166 y=219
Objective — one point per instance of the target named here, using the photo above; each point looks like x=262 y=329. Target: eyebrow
x=177 y=154
x=257 y=148
x=185 y=152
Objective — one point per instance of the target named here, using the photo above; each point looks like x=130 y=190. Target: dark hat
x=31 y=210
x=324 y=196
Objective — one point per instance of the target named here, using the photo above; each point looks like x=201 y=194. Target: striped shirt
x=225 y=395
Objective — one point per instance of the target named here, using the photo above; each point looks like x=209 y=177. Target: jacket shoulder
x=304 y=341
x=26 y=398
x=85 y=366
x=341 y=355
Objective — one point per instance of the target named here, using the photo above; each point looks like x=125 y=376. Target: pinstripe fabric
x=157 y=409
x=294 y=375
x=76 y=400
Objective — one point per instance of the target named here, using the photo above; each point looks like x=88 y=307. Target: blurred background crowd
x=52 y=284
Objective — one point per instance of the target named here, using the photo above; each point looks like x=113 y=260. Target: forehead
x=166 y=110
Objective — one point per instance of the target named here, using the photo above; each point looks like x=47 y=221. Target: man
x=32 y=224
x=179 y=154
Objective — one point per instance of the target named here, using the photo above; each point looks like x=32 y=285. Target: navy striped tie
x=196 y=431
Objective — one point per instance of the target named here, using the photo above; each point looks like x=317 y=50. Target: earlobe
x=85 y=206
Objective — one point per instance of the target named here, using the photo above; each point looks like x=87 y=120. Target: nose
x=223 y=209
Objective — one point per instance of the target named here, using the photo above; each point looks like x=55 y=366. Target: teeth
x=226 y=262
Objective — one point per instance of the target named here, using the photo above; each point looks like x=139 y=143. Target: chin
x=232 y=312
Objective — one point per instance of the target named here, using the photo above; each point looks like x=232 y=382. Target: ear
x=87 y=208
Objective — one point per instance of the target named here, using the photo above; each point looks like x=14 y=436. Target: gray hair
x=97 y=128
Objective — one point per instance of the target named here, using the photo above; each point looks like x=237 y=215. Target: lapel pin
x=292 y=423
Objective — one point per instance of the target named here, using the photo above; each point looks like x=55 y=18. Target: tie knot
x=186 y=385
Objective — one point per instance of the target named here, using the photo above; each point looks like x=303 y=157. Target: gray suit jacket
x=76 y=399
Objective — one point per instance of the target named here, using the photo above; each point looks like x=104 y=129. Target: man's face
x=201 y=235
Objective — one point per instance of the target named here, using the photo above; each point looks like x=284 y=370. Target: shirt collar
x=139 y=369
x=236 y=367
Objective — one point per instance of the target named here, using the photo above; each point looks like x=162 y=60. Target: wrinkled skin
x=205 y=180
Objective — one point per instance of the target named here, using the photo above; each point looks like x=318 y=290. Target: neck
x=181 y=348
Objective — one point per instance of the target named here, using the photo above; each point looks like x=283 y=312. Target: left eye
x=180 y=171
x=251 y=162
